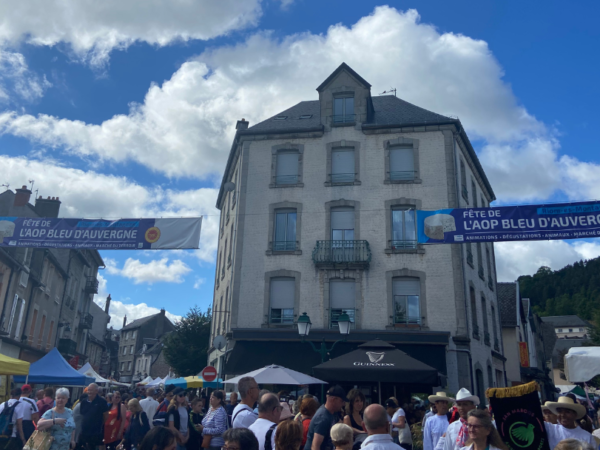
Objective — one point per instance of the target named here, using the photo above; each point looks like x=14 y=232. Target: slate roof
x=139 y=322
x=566 y=321
x=389 y=110
x=507 y=302
x=347 y=68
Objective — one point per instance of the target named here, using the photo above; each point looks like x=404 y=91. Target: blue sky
x=124 y=109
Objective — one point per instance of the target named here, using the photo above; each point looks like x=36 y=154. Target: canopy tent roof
x=275 y=374
x=377 y=361
x=194 y=382
x=89 y=371
x=12 y=366
x=157 y=381
x=146 y=380
x=582 y=364
x=53 y=369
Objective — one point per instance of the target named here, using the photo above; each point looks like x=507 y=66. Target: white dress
x=435 y=427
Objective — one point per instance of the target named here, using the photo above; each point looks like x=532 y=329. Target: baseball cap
x=26 y=387
x=390 y=404
x=337 y=391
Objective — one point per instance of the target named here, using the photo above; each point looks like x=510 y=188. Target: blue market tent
x=53 y=369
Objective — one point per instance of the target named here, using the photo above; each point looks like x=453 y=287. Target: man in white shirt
x=432 y=412
x=269 y=411
x=457 y=433
x=17 y=440
x=377 y=424
x=30 y=412
x=149 y=405
x=436 y=426
x=243 y=414
x=567 y=411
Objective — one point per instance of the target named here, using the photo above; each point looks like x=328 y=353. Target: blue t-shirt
x=62 y=435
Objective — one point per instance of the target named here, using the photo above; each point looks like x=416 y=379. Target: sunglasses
x=180 y=395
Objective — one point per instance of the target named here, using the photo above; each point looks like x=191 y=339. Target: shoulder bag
x=40 y=440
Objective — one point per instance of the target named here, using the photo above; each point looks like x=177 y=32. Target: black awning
x=377 y=361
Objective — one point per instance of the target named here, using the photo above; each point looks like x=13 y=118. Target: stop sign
x=209 y=373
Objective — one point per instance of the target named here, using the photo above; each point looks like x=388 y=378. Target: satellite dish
x=219 y=342
x=229 y=186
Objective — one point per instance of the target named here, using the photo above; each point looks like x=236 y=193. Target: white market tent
x=156 y=382
x=274 y=374
x=89 y=371
x=582 y=364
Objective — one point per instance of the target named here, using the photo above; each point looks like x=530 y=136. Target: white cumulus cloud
x=17 y=81
x=156 y=271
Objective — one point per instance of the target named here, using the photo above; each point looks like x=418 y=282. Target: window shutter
x=341 y=294
x=342 y=219
x=407 y=286
x=342 y=162
x=402 y=160
x=282 y=293
x=287 y=164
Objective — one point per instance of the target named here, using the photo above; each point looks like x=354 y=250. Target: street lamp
x=304 y=325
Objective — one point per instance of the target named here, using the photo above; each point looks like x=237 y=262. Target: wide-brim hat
x=286 y=413
x=440 y=397
x=545 y=406
x=465 y=396
x=567 y=403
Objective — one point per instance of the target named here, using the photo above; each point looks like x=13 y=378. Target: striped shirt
x=215 y=424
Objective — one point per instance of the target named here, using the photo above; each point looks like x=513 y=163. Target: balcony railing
x=342 y=254
x=342 y=177
x=91 y=285
x=343 y=118
x=285 y=179
x=404 y=175
x=481 y=273
x=403 y=245
x=486 y=338
x=67 y=346
x=86 y=321
x=285 y=246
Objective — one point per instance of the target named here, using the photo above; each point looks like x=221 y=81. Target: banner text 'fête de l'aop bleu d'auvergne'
x=100 y=234
x=509 y=223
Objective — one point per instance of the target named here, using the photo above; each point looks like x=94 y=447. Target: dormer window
x=280 y=117
x=306 y=116
x=343 y=109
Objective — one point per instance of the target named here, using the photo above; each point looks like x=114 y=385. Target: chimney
x=22 y=196
x=48 y=207
x=162 y=312
x=107 y=306
x=124 y=321
x=242 y=124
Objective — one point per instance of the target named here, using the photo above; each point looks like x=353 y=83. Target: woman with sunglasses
x=214 y=423
x=177 y=417
x=482 y=433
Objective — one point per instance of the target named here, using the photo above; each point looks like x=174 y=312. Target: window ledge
x=352 y=183
x=415 y=181
x=290 y=252
x=401 y=326
x=420 y=250
x=343 y=124
x=278 y=325
x=275 y=186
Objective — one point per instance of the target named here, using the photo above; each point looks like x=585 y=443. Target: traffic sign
x=209 y=373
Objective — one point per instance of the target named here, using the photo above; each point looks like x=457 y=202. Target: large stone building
x=45 y=294
x=318 y=216
x=133 y=338
x=569 y=327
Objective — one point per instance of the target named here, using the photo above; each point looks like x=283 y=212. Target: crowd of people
x=176 y=419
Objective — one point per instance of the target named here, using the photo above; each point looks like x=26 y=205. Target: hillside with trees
x=574 y=289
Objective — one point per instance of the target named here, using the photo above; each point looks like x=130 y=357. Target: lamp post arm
x=312 y=345
x=334 y=344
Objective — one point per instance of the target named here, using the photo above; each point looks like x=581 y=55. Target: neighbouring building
x=569 y=327
x=45 y=294
x=133 y=337
x=318 y=216
x=528 y=341
x=150 y=359
x=96 y=349
x=110 y=366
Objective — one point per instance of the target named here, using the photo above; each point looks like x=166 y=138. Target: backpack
x=161 y=418
x=6 y=425
x=46 y=407
x=268 y=437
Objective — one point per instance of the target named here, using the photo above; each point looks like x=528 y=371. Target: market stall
x=582 y=364
x=54 y=370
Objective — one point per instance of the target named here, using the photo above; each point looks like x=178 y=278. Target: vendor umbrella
x=274 y=374
x=193 y=382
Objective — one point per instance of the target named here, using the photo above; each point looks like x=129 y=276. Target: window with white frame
x=342 y=301
x=343 y=109
x=285 y=230
x=129 y=366
x=282 y=296
x=122 y=366
x=404 y=230
x=124 y=350
x=287 y=167
x=131 y=350
x=406 y=292
x=342 y=165
x=133 y=334
x=402 y=163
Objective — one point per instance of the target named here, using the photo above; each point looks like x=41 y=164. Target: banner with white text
x=100 y=234
x=509 y=223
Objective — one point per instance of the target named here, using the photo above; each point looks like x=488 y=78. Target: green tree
x=186 y=348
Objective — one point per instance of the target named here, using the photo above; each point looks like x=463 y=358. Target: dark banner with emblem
x=518 y=415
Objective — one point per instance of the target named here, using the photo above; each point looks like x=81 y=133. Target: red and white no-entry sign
x=209 y=373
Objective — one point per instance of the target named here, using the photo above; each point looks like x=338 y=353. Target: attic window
x=280 y=117
x=306 y=116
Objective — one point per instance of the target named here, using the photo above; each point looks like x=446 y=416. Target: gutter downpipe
x=462 y=262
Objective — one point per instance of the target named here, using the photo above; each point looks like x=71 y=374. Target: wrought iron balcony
x=86 y=320
x=67 y=346
x=343 y=118
x=285 y=246
x=486 y=338
x=342 y=254
x=403 y=245
x=91 y=285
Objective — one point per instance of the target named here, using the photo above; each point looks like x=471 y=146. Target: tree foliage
x=574 y=289
x=186 y=348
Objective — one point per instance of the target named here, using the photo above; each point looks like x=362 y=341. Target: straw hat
x=567 y=403
x=465 y=396
x=440 y=397
x=545 y=406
